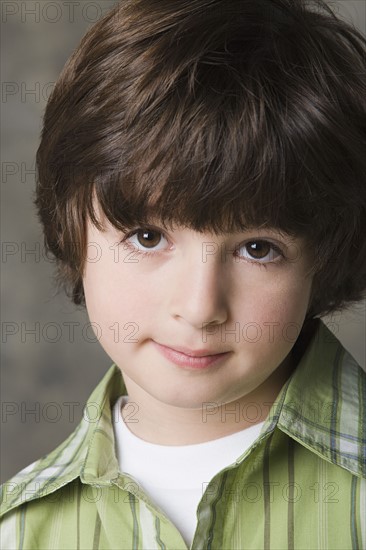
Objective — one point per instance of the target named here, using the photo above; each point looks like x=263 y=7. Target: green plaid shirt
x=300 y=485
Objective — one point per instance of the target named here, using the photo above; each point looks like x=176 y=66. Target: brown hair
x=216 y=115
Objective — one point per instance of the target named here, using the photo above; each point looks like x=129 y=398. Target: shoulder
x=67 y=461
x=42 y=477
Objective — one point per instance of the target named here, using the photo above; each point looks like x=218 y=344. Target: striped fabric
x=301 y=485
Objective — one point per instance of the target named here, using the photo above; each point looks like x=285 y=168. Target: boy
x=212 y=152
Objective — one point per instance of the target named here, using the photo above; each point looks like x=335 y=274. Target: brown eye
x=260 y=252
x=259 y=249
x=148 y=237
x=145 y=240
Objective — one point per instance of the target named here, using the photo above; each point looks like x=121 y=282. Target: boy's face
x=233 y=294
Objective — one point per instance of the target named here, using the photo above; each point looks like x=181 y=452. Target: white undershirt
x=176 y=476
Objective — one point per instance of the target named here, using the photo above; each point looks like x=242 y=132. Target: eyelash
x=143 y=253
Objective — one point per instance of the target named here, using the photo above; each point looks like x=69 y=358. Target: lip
x=183 y=357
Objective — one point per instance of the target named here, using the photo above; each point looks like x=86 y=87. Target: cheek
x=274 y=313
x=118 y=303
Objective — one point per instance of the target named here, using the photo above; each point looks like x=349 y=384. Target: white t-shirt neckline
x=176 y=476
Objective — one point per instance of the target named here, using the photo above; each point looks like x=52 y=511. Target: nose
x=199 y=292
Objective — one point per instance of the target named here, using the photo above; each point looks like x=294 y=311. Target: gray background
x=48 y=374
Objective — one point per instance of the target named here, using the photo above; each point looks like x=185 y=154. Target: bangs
x=221 y=161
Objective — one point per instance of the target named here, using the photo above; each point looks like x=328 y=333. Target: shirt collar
x=322 y=405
